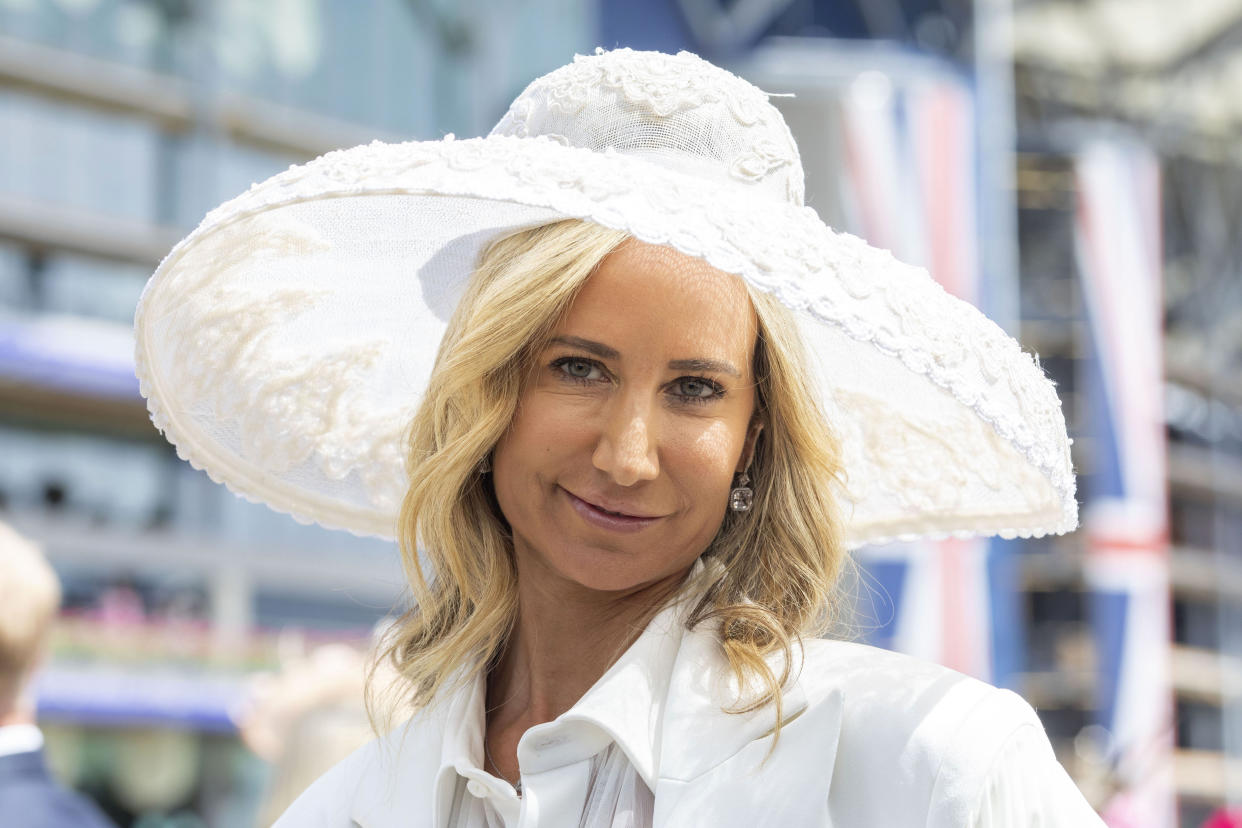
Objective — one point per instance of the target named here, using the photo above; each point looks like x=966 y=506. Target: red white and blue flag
x=1118 y=241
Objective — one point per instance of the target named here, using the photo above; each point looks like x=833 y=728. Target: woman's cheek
x=559 y=419
x=716 y=449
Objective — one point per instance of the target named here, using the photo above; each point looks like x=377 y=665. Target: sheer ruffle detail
x=618 y=797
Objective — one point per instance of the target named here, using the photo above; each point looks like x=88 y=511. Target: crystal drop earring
x=742 y=496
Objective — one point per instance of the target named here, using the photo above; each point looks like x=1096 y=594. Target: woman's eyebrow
x=603 y=351
x=714 y=366
x=598 y=348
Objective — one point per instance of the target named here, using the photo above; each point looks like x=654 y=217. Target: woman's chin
x=604 y=572
x=607 y=570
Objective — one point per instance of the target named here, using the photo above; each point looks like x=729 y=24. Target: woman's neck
x=565 y=638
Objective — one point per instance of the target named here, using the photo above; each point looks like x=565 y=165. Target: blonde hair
x=29 y=599
x=779 y=561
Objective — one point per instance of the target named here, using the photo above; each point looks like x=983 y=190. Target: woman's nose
x=627 y=449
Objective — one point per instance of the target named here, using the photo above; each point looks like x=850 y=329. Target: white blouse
x=869 y=738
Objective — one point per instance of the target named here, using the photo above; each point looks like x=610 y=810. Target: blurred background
x=1073 y=167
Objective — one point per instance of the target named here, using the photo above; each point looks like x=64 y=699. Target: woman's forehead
x=662 y=290
x=672 y=270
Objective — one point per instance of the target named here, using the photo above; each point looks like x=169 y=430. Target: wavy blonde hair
x=779 y=562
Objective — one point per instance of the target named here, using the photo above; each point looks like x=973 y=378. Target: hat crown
x=678 y=111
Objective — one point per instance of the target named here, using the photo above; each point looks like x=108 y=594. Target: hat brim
x=284 y=345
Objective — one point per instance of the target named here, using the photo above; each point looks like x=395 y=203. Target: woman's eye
x=579 y=369
x=696 y=389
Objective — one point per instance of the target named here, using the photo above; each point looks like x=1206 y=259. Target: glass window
x=14 y=279
x=69 y=155
x=82 y=476
x=126 y=31
x=90 y=287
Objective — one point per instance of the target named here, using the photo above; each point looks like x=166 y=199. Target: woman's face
x=616 y=471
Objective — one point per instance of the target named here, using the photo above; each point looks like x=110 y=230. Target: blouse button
x=477 y=789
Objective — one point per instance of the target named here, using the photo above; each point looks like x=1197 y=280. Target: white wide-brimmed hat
x=284 y=345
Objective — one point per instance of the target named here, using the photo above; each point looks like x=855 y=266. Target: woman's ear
x=748 y=447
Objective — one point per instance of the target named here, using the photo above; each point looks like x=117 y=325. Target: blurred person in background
x=659 y=401
x=305 y=718
x=29 y=599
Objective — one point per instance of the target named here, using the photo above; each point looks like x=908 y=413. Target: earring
x=742 y=496
x=485 y=465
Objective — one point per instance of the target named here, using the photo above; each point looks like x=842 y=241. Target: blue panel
x=110 y=697
x=21 y=362
x=660 y=24
x=1105 y=479
x=879 y=601
x=1005 y=598
x=1108 y=627
x=644 y=24
x=137 y=716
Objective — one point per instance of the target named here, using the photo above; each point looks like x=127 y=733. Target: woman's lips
x=603 y=519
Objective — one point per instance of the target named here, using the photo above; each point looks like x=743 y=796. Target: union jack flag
x=1118 y=242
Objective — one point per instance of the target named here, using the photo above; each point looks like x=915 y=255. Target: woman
x=636 y=462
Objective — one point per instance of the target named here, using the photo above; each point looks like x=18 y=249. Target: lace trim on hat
x=833 y=277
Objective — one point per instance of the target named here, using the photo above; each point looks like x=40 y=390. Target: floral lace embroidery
x=321 y=413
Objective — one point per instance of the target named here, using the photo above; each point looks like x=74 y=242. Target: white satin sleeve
x=1028 y=788
x=998 y=771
